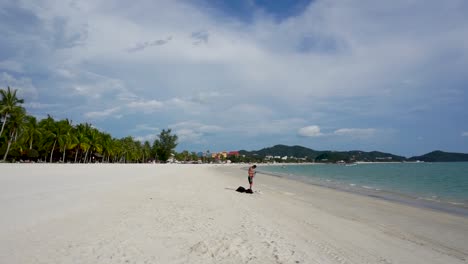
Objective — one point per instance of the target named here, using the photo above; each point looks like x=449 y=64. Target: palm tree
x=128 y=149
x=32 y=130
x=81 y=139
x=94 y=137
x=118 y=150
x=8 y=104
x=107 y=144
x=51 y=134
x=16 y=124
x=64 y=136
x=146 y=151
x=139 y=151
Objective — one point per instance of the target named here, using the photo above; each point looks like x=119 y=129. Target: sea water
x=441 y=185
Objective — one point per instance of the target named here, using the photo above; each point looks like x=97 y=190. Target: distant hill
x=357 y=155
x=283 y=150
x=322 y=156
x=441 y=156
x=350 y=156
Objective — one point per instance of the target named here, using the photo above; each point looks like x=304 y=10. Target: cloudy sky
x=247 y=74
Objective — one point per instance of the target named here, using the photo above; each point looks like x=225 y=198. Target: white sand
x=191 y=214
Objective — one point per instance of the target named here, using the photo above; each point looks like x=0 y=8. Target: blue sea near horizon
x=441 y=185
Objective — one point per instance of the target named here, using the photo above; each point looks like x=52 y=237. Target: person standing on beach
x=251 y=175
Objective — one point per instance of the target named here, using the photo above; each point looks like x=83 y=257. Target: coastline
x=147 y=213
x=421 y=202
x=404 y=221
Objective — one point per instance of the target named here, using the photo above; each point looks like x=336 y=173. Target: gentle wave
x=443 y=184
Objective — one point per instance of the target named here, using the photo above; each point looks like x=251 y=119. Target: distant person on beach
x=251 y=175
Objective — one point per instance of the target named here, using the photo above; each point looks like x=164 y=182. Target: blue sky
x=230 y=75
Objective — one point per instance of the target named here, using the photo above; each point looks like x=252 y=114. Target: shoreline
x=406 y=218
x=401 y=198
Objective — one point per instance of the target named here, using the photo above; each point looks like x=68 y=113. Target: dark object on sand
x=243 y=190
x=240 y=189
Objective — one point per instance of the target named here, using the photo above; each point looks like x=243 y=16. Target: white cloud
x=264 y=45
x=10 y=65
x=65 y=73
x=246 y=111
x=37 y=105
x=148 y=137
x=244 y=77
x=144 y=127
x=252 y=126
x=197 y=126
x=464 y=134
x=103 y=113
x=147 y=106
x=351 y=63
x=189 y=135
x=355 y=132
x=310 y=131
x=24 y=85
x=143 y=45
x=96 y=86
x=180 y=103
x=210 y=129
x=207 y=97
x=194 y=132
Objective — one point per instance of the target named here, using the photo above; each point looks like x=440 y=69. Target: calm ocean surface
x=445 y=184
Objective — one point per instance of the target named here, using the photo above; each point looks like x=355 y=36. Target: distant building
x=219 y=155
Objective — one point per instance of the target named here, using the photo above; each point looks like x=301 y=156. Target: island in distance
x=309 y=155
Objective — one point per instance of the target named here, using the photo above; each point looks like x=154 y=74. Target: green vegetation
x=22 y=137
x=9 y=106
x=164 y=146
x=186 y=156
x=283 y=150
x=301 y=154
x=282 y=153
x=246 y=158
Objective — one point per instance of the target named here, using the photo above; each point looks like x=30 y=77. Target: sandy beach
x=163 y=213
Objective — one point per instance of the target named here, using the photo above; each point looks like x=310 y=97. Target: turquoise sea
x=441 y=186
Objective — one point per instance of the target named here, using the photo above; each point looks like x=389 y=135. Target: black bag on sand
x=248 y=191
x=240 y=189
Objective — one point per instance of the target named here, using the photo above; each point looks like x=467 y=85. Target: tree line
x=23 y=137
